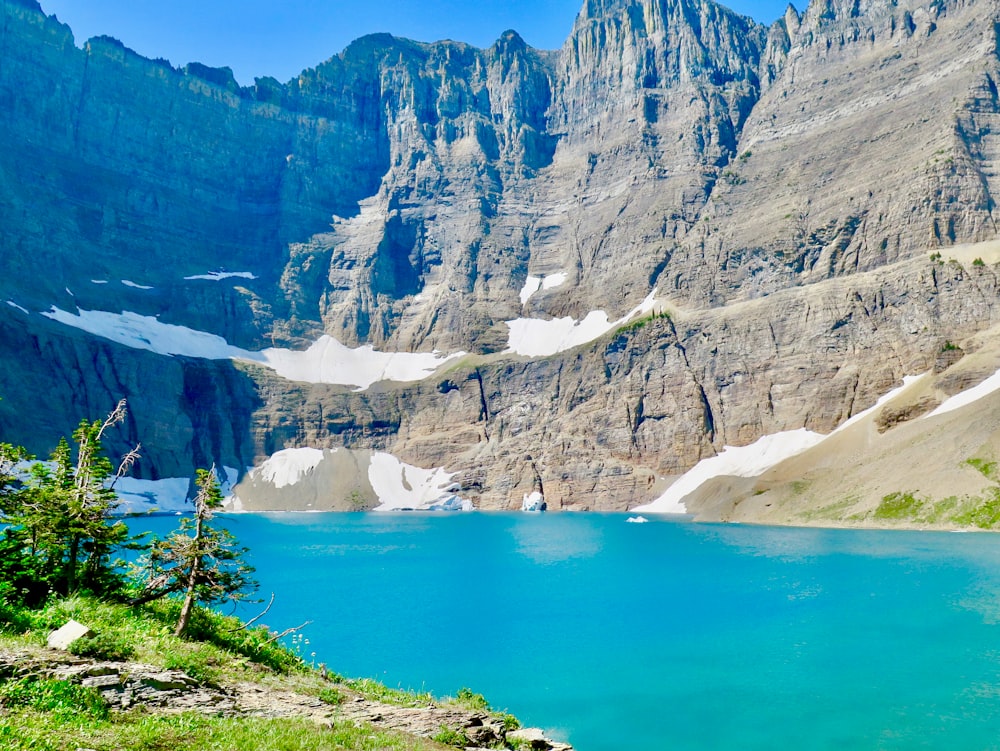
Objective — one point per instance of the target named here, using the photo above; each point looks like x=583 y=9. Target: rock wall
x=781 y=188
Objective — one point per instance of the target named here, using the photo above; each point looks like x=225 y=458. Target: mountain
x=576 y=273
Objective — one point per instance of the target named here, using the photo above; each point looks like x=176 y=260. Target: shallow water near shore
x=667 y=635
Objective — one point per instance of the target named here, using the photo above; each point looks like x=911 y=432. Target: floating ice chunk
x=287 y=467
x=15 y=305
x=218 y=276
x=401 y=486
x=452 y=503
x=637 y=520
x=94 y=281
x=128 y=283
x=536 y=337
x=741 y=461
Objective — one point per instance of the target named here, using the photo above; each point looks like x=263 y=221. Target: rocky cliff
x=683 y=230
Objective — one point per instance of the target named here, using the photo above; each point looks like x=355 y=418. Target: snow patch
x=888 y=396
x=326 y=360
x=329 y=361
x=968 y=396
x=15 y=305
x=536 y=337
x=128 y=283
x=757 y=458
x=533 y=283
x=533 y=501
x=138 y=496
x=287 y=466
x=400 y=486
x=741 y=461
x=218 y=276
x=145 y=332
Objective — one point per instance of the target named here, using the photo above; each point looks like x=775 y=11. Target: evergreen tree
x=199 y=559
x=60 y=535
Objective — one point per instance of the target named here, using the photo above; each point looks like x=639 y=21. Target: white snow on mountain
x=326 y=360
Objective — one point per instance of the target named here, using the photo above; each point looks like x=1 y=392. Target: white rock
x=61 y=638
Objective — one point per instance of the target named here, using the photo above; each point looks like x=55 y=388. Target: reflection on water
x=772 y=542
x=554 y=538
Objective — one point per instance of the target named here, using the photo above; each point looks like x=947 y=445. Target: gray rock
x=781 y=187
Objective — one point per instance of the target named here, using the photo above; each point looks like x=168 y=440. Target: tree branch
x=249 y=623
x=286 y=632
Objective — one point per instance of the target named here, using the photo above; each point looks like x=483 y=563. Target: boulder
x=63 y=637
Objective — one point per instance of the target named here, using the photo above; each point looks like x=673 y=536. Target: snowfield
x=534 y=283
x=737 y=461
x=218 y=276
x=399 y=485
x=288 y=466
x=326 y=361
x=538 y=337
x=755 y=459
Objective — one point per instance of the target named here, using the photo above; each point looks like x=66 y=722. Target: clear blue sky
x=282 y=37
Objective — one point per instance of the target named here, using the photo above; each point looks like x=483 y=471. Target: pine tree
x=60 y=535
x=199 y=559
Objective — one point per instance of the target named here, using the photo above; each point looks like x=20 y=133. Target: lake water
x=664 y=636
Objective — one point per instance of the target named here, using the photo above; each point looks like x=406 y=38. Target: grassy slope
x=45 y=714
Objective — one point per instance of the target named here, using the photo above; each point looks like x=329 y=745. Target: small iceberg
x=637 y=520
x=451 y=502
x=533 y=502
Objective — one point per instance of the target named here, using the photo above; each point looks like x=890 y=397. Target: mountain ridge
x=402 y=195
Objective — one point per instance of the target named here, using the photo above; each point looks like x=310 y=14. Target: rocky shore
x=127 y=685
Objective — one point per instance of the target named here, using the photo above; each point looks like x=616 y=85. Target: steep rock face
x=872 y=144
x=416 y=268
x=118 y=167
x=782 y=189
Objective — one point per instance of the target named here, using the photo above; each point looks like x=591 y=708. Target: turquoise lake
x=666 y=636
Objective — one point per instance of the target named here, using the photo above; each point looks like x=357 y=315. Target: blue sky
x=282 y=37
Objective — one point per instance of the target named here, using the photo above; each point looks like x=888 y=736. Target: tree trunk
x=71 y=564
x=188 y=605
x=189 y=595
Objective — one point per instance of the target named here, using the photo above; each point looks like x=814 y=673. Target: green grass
x=376 y=691
x=451 y=737
x=216 y=648
x=832 y=510
x=32 y=730
x=468 y=699
x=640 y=322
x=38 y=714
x=985 y=513
x=986 y=468
x=899 y=506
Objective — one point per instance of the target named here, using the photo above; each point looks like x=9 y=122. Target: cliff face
x=778 y=191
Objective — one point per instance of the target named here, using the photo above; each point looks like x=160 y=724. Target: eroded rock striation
x=785 y=206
